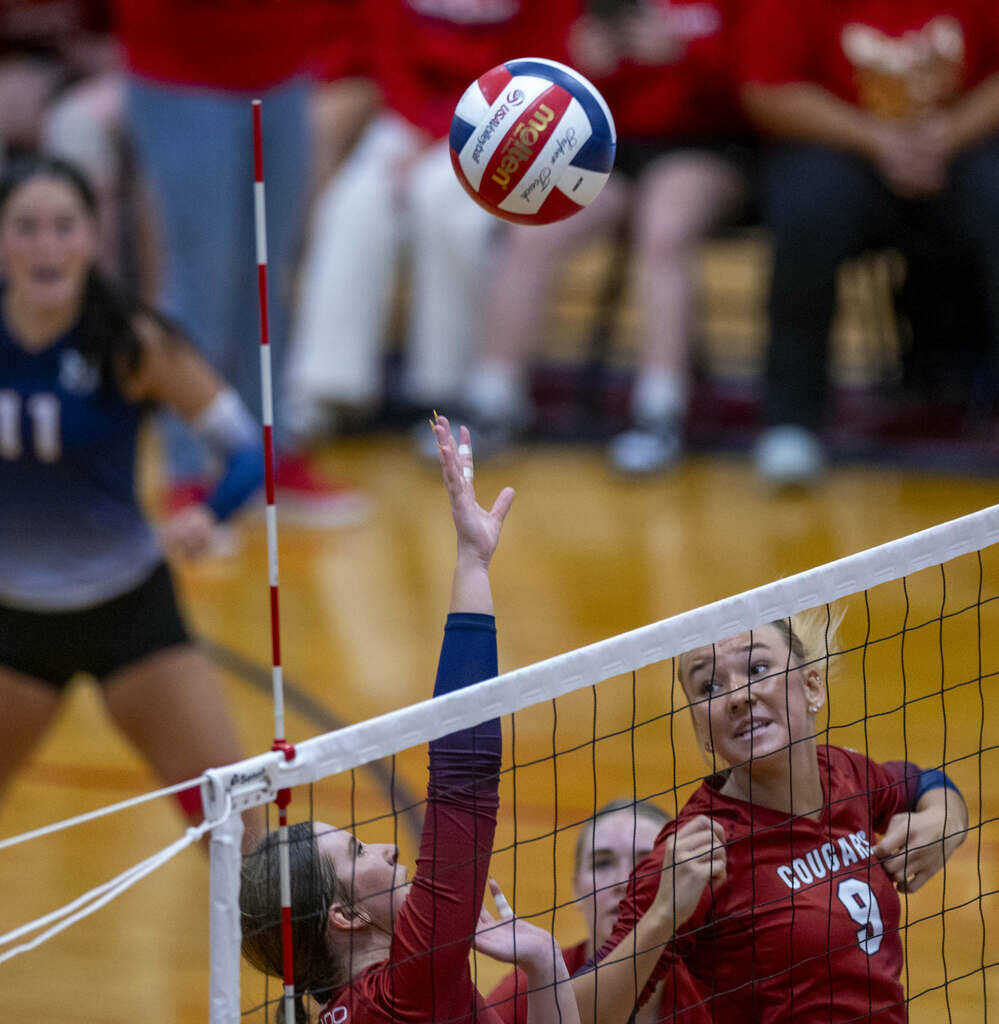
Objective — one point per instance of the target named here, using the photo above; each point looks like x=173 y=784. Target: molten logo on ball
x=545 y=160
x=518 y=149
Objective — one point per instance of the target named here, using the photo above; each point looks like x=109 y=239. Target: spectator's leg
x=347 y=276
x=450 y=245
x=972 y=206
x=339 y=112
x=941 y=302
x=518 y=291
x=679 y=198
x=822 y=206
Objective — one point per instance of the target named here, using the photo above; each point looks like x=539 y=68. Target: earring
x=814 y=708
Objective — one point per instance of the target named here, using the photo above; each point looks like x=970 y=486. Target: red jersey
x=695 y=94
x=341 y=41
x=428 y=52
x=895 y=58
x=805 y=926
x=217 y=44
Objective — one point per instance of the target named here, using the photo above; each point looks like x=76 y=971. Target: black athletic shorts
x=635 y=153
x=55 y=646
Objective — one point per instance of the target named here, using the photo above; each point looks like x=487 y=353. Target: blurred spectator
x=397 y=187
x=886 y=113
x=608 y=848
x=193 y=69
x=346 y=95
x=682 y=167
x=61 y=93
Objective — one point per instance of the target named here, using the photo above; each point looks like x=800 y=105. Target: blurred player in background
x=683 y=166
x=84 y=586
x=397 y=192
x=786 y=860
x=620 y=835
x=193 y=68
x=886 y=114
x=371 y=944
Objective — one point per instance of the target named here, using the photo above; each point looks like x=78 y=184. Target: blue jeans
x=196 y=148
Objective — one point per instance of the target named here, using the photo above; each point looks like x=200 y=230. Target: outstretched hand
x=478 y=530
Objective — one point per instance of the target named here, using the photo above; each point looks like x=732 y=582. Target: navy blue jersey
x=72 y=534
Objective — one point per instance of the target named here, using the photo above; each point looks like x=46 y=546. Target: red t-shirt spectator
x=428 y=52
x=217 y=44
x=341 y=40
x=894 y=58
x=806 y=922
x=694 y=95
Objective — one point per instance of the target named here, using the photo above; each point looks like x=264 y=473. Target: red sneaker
x=308 y=498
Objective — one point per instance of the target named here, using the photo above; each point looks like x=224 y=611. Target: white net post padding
x=224 y=925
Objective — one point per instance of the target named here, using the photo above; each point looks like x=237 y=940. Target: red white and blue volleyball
x=532 y=141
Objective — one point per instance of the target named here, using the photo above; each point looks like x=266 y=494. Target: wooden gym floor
x=585 y=556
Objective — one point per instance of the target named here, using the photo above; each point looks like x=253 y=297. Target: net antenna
x=280 y=743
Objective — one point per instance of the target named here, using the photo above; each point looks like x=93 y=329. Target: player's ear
x=345 y=918
x=815 y=690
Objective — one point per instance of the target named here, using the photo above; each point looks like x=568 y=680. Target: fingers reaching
x=502 y=905
x=478 y=530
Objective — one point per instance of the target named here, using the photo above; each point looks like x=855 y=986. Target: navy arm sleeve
x=468 y=759
x=429 y=976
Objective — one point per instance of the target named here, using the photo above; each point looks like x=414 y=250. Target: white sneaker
x=789 y=456
x=641 y=451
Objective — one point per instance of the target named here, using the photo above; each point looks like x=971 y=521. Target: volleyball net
x=910 y=675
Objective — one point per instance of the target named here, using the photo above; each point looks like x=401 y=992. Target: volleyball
x=532 y=141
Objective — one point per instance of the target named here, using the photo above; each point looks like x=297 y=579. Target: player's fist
x=694 y=856
x=188 y=533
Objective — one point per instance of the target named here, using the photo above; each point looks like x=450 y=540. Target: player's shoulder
x=847 y=766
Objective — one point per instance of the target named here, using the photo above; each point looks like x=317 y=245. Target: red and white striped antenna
x=280 y=742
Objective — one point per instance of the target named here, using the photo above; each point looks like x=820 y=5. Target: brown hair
x=640 y=808
x=315 y=887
